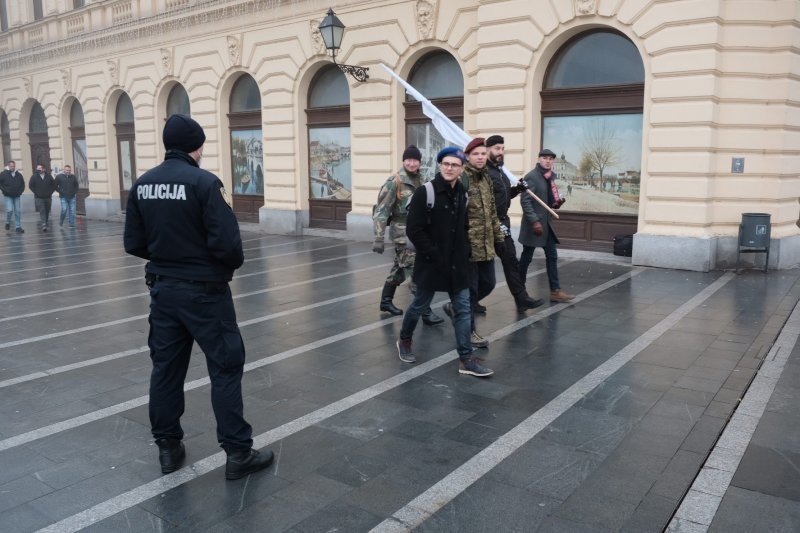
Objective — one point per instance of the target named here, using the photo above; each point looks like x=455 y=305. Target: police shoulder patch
x=225 y=197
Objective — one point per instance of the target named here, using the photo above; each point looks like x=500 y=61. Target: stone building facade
x=699 y=102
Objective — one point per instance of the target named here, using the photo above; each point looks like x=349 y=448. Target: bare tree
x=601 y=147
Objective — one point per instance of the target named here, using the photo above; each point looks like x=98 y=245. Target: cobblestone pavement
x=618 y=412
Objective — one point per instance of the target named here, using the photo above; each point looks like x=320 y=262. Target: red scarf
x=553 y=189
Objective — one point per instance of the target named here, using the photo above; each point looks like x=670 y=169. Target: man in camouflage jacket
x=391 y=211
x=484 y=229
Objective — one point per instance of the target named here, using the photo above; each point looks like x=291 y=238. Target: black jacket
x=66 y=185
x=12 y=185
x=440 y=237
x=178 y=218
x=42 y=187
x=503 y=192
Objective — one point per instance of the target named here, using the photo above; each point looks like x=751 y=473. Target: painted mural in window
x=329 y=156
x=248 y=162
x=425 y=137
x=80 y=167
x=598 y=161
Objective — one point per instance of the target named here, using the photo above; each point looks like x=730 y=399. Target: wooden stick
x=555 y=215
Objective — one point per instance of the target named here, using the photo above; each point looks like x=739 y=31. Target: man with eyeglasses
x=485 y=234
x=439 y=234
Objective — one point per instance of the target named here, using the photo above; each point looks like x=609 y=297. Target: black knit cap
x=183 y=133
x=412 y=152
x=494 y=139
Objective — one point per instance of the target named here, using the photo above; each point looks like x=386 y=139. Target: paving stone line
x=149 y=490
x=428 y=503
x=698 y=508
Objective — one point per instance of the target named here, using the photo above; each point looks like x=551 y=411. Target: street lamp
x=332 y=31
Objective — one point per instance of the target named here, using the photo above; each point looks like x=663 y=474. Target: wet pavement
x=657 y=399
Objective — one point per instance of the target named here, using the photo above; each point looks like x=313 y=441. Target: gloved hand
x=377 y=246
x=521 y=186
x=538 y=230
x=505 y=230
x=559 y=203
x=500 y=248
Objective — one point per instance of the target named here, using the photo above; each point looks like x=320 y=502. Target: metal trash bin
x=754 y=235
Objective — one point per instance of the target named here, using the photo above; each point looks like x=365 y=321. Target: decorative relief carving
x=317 y=44
x=113 y=71
x=27 y=83
x=166 y=61
x=425 y=15
x=66 y=79
x=585 y=7
x=234 y=50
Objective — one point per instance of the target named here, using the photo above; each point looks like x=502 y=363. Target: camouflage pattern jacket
x=394 y=205
x=484 y=226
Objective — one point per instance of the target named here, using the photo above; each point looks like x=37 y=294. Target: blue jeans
x=68 y=204
x=13 y=206
x=551 y=262
x=461 y=318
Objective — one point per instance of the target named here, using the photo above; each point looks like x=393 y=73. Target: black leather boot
x=243 y=463
x=386 y=300
x=171 y=454
x=430 y=318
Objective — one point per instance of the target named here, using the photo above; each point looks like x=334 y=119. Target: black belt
x=160 y=277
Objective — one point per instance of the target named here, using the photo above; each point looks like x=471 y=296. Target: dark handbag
x=623 y=245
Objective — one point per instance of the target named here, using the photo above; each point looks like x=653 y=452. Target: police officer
x=179 y=218
x=392 y=206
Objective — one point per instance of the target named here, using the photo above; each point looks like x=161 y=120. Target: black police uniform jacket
x=440 y=237
x=178 y=218
x=12 y=185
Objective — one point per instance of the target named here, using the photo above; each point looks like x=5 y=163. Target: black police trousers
x=182 y=312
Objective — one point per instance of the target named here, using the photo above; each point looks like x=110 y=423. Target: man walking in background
x=67 y=187
x=12 y=184
x=42 y=185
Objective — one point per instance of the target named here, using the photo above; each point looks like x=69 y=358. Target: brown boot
x=560 y=296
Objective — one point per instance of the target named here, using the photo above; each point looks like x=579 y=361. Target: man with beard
x=503 y=193
x=391 y=210
x=43 y=186
x=536 y=230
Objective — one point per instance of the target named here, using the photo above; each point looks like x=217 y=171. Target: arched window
x=247 y=155
x=5 y=134
x=328 y=117
x=126 y=152
x=178 y=101
x=38 y=138
x=438 y=77
x=592 y=104
x=79 y=163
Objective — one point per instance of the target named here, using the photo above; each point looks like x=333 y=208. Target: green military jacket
x=484 y=226
x=394 y=205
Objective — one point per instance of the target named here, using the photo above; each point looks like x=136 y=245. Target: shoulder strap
x=398 y=185
x=429 y=194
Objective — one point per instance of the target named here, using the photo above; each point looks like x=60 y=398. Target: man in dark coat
x=12 y=184
x=439 y=234
x=42 y=185
x=67 y=187
x=536 y=230
x=179 y=218
x=503 y=194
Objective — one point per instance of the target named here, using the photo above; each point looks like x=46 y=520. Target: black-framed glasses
x=451 y=165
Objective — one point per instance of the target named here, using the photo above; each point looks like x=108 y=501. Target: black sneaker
x=8 y=227
x=44 y=227
x=429 y=318
x=20 y=230
x=171 y=454
x=480 y=309
x=241 y=464
x=405 y=352
x=473 y=367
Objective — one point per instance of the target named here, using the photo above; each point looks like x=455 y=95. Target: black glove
x=521 y=187
x=500 y=248
x=559 y=203
x=377 y=246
